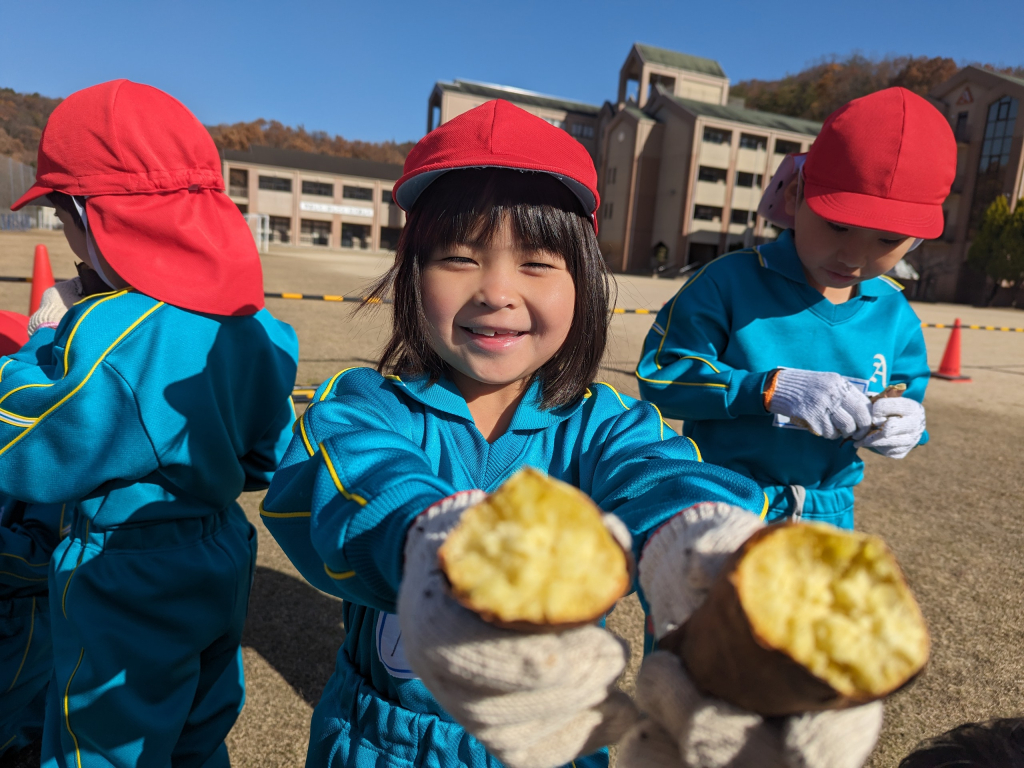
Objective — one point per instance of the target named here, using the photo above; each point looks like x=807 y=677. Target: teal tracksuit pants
x=26 y=662
x=147 y=621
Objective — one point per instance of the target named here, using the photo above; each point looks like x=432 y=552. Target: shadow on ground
x=296 y=629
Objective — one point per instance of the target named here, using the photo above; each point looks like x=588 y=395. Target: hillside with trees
x=23 y=115
x=815 y=92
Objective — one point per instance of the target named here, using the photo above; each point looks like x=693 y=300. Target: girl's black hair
x=65 y=203
x=993 y=743
x=469 y=207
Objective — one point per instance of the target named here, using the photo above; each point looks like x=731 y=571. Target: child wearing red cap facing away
x=785 y=359
x=162 y=392
x=500 y=321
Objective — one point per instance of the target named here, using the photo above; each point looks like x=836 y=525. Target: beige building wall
x=335 y=209
x=673 y=181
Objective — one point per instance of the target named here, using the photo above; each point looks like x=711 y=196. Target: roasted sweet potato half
x=805 y=617
x=535 y=554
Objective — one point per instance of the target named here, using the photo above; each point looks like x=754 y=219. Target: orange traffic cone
x=42 y=278
x=949 y=368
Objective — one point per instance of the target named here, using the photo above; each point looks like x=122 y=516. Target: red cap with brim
x=498 y=134
x=13 y=332
x=885 y=161
x=155 y=200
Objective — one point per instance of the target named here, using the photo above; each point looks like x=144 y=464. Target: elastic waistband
x=154 y=534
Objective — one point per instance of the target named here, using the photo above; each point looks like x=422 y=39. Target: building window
x=667 y=83
x=581 y=130
x=238 y=182
x=275 y=184
x=960 y=132
x=995 y=152
x=315 y=232
x=357 y=193
x=749 y=141
x=355 y=236
x=746 y=218
x=280 y=229
x=385 y=196
x=243 y=208
x=717 y=136
x=389 y=238
x=611 y=175
x=707 y=213
x=608 y=210
x=783 y=147
x=555 y=122
x=744 y=179
x=318 y=188
x=714 y=175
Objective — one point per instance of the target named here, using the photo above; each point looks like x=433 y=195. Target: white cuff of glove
x=900 y=424
x=55 y=303
x=829 y=405
x=682 y=558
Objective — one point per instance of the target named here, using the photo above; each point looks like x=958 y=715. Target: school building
x=316 y=200
x=983 y=109
x=681 y=165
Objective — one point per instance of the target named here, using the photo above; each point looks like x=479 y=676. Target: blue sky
x=365 y=69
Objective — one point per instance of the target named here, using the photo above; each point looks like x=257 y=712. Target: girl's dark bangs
x=470 y=207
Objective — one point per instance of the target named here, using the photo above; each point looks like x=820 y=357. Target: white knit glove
x=826 y=403
x=535 y=700
x=899 y=423
x=690 y=730
x=56 y=301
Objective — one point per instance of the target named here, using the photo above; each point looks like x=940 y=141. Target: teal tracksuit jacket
x=707 y=357
x=371 y=454
x=154 y=419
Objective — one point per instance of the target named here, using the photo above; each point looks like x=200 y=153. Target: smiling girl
x=770 y=354
x=500 y=320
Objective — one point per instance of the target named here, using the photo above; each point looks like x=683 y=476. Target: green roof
x=678 y=60
x=749 y=116
x=518 y=95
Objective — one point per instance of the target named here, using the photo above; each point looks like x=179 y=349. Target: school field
x=953 y=511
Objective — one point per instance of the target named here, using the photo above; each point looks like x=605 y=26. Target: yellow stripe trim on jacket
x=24 y=656
x=282 y=515
x=680 y=383
x=764 y=510
x=71 y=336
x=337 y=481
x=661 y=419
x=67 y=584
x=67 y=714
x=29 y=579
x=88 y=376
x=305 y=437
x=701 y=359
x=339 y=575
x=697 y=449
x=9 y=361
x=671 y=309
x=334 y=378
x=26 y=562
x=613 y=389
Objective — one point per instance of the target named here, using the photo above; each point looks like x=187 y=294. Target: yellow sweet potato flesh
x=535 y=551
x=836 y=602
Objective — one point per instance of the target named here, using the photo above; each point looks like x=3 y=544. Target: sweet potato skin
x=727 y=659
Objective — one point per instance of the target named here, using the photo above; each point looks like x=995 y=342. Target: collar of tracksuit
x=781 y=256
x=444 y=396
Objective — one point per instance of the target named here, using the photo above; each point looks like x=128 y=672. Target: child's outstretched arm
x=680 y=367
x=645 y=473
x=349 y=487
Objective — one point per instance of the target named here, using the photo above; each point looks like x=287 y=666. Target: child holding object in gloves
x=156 y=401
x=783 y=359
x=500 y=320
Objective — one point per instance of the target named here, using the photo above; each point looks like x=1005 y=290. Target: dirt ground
x=952 y=511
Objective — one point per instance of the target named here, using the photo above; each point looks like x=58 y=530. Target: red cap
x=498 y=134
x=13 y=332
x=155 y=196
x=884 y=161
